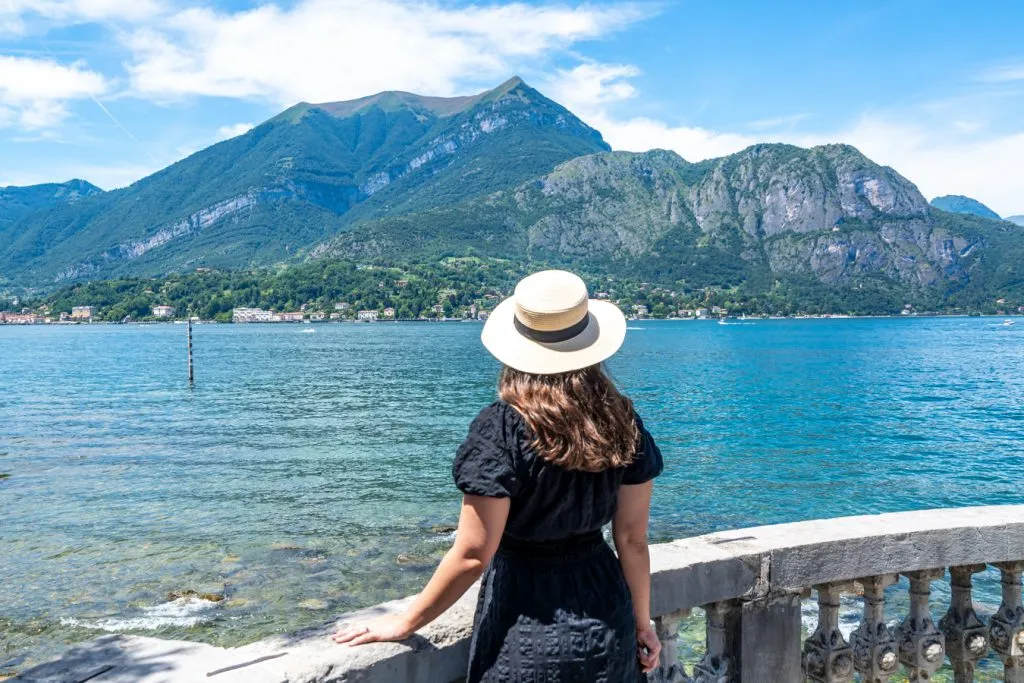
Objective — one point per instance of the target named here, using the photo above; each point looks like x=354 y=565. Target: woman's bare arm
x=481 y=525
x=629 y=530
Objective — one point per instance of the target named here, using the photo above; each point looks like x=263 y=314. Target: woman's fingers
x=362 y=639
x=649 y=660
x=349 y=633
x=648 y=649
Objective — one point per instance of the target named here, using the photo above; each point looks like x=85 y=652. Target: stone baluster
x=717 y=665
x=1006 y=628
x=922 y=645
x=670 y=670
x=966 y=634
x=828 y=658
x=875 y=650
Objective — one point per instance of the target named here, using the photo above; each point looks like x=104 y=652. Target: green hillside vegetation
x=402 y=181
x=955 y=203
x=413 y=290
x=18 y=202
x=276 y=192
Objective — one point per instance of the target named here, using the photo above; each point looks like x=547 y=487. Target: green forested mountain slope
x=18 y=202
x=301 y=177
x=955 y=203
x=399 y=178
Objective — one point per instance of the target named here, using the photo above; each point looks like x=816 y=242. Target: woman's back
x=548 y=501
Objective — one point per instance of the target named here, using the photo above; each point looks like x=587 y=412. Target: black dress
x=554 y=606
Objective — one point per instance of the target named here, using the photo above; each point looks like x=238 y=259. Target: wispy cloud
x=308 y=51
x=34 y=92
x=1006 y=73
x=15 y=15
x=234 y=130
x=777 y=122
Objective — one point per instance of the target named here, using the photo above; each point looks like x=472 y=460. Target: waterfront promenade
x=751 y=584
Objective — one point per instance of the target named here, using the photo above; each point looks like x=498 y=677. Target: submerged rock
x=209 y=597
x=313 y=604
x=443 y=528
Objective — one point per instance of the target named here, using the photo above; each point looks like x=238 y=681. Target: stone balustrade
x=751 y=583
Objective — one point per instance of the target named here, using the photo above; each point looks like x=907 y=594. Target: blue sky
x=111 y=90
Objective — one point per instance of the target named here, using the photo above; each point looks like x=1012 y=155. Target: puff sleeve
x=484 y=464
x=648 y=462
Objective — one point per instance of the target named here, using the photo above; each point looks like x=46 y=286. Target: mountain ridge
x=957 y=203
x=511 y=174
x=17 y=201
x=289 y=183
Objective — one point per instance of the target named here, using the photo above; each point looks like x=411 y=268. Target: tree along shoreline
x=465 y=287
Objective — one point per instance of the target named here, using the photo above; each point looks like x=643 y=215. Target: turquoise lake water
x=308 y=470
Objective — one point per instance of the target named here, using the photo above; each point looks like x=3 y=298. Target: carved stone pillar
x=827 y=656
x=670 y=669
x=875 y=650
x=717 y=665
x=922 y=645
x=1006 y=628
x=966 y=634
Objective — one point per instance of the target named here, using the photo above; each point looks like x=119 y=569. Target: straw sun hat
x=549 y=326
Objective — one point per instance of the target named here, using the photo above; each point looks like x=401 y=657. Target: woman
x=561 y=454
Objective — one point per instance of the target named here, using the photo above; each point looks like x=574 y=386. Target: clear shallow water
x=307 y=474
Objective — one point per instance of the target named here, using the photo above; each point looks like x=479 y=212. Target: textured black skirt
x=554 y=612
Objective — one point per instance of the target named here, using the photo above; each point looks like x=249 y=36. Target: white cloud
x=322 y=50
x=591 y=86
x=225 y=132
x=1003 y=74
x=34 y=92
x=13 y=13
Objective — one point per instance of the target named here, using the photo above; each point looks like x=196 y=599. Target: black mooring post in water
x=189 y=328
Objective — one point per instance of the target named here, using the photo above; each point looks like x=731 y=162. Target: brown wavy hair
x=580 y=419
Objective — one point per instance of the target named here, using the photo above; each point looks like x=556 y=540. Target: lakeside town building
x=83 y=312
x=367 y=315
x=258 y=315
x=163 y=311
x=21 y=318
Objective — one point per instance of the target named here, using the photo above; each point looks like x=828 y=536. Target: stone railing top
x=745 y=563
x=791 y=557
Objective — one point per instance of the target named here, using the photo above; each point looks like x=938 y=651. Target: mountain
x=955 y=203
x=768 y=211
x=1019 y=220
x=300 y=178
x=18 y=202
x=510 y=174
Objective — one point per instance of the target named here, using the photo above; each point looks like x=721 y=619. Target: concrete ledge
x=746 y=563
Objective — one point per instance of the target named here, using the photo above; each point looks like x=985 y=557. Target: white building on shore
x=163 y=311
x=251 y=315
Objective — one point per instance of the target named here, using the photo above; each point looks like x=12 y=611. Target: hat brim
x=600 y=340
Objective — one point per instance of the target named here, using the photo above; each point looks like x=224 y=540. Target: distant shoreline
x=836 y=316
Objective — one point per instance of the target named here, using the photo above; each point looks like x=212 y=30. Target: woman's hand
x=384 y=629
x=648 y=649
